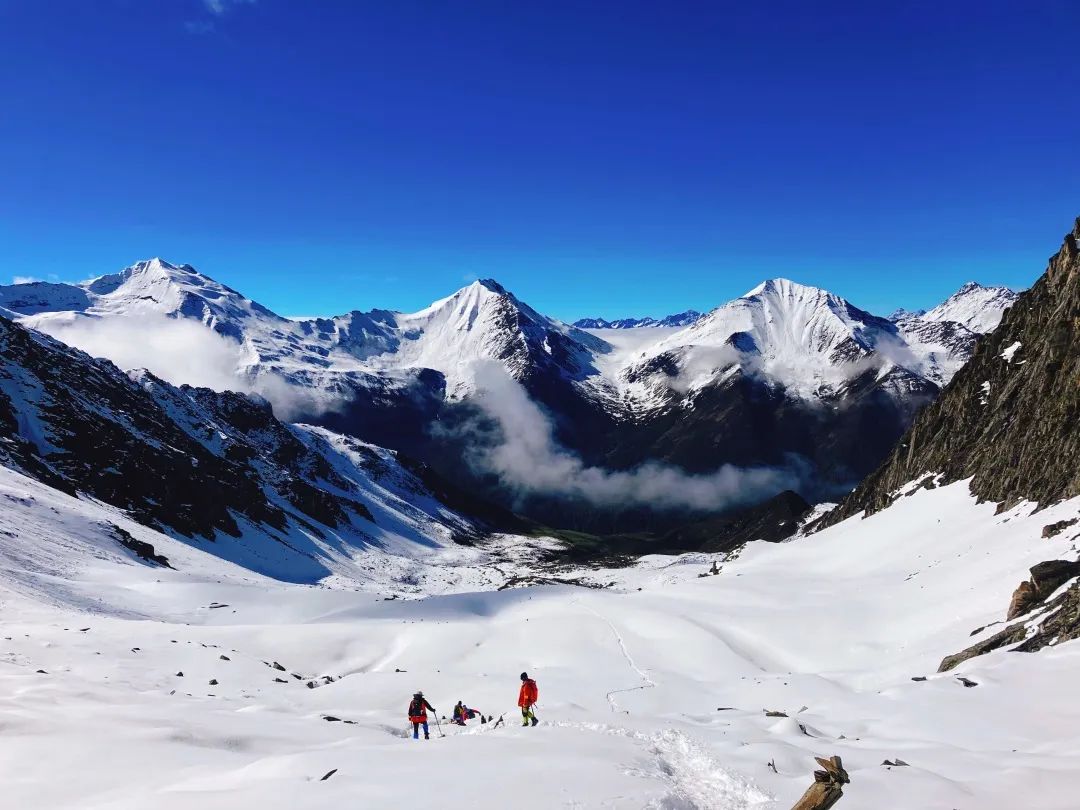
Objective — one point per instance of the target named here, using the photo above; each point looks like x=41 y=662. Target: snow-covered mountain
x=678 y=319
x=794 y=334
x=977 y=307
x=901 y=314
x=802 y=338
x=785 y=371
x=479 y=322
x=295 y=502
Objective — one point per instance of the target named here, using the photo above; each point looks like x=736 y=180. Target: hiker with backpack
x=418 y=710
x=527 y=698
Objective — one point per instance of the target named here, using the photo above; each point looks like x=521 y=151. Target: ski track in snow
x=698 y=781
x=648 y=682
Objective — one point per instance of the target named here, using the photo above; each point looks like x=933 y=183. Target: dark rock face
x=81 y=424
x=744 y=421
x=1046 y=577
x=1024 y=598
x=1009 y=419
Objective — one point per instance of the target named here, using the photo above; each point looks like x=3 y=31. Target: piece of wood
x=827 y=787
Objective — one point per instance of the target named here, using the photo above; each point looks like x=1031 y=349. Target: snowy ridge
x=977 y=307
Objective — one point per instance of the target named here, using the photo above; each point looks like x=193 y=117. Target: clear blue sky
x=598 y=158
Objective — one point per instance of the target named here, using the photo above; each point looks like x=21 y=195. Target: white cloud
x=24 y=279
x=185 y=352
x=528 y=460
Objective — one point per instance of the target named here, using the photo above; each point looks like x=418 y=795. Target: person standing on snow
x=418 y=710
x=527 y=698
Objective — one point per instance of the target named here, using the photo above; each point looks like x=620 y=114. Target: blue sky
x=597 y=158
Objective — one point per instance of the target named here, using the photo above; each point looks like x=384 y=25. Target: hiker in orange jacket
x=527 y=698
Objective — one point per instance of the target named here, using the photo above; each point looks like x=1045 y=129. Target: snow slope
x=652 y=690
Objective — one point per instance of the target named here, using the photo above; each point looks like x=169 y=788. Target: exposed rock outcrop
x=1054 y=529
x=1046 y=577
x=1057 y=622
x=143 y=550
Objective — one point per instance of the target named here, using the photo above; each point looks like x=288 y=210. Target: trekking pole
x=438 y=725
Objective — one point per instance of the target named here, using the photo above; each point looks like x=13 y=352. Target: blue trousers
x=416 y=730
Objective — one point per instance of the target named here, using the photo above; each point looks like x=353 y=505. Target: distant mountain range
x=677 y=320
x=787 y=379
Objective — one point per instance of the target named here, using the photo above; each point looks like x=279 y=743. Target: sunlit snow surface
x=652 y=690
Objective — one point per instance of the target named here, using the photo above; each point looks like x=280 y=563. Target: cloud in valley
x=529 y=460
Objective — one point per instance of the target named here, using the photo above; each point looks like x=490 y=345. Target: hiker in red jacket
x=418 y=709
x=527 y=698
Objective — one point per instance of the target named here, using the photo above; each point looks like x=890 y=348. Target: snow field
x=648 y=698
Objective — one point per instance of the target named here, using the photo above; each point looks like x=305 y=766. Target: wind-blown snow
x=652 y=691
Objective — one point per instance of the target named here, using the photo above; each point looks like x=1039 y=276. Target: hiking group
x=419 y=707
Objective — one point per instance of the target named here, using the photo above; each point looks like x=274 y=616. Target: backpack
x=416 y=708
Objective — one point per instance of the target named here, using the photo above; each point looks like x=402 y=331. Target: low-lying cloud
x=528 y=460
x=185 y=352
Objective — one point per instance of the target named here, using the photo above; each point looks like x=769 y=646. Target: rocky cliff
x=1010 y=418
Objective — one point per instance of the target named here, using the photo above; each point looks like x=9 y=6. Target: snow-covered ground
x=653 y=690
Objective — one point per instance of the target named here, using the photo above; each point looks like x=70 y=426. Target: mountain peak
x=150 y=270
x=785 y=287
x=974 y=305
x=492 y=285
